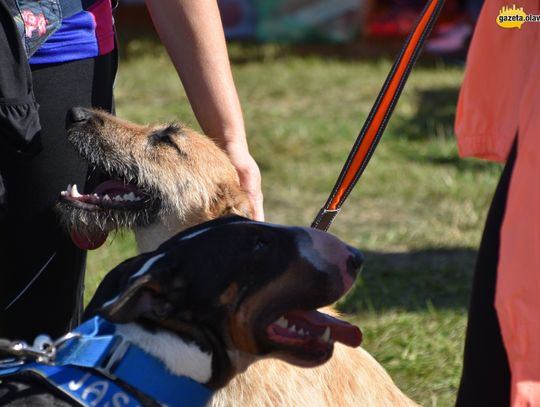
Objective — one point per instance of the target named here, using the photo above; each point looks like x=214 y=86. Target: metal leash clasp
x=43 y=350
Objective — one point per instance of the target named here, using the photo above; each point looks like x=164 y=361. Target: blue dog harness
x=91 y=363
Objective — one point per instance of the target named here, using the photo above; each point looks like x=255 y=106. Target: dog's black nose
x=355 y=261
x=78 y=115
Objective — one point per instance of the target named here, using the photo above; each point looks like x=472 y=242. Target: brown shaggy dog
x=167 y=178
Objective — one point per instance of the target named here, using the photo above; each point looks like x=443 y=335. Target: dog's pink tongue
x=340 y=331
x=88 y=242
x=95 y=241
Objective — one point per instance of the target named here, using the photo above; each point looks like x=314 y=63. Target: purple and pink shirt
x=87 y=34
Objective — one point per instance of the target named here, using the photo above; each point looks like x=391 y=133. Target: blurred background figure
x=367 y=23
x=453 y=39
x=393 y=18
x=451 y=36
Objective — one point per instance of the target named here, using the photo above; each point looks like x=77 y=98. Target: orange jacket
x=500 y=98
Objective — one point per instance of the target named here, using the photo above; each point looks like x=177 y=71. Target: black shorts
x=486 y=375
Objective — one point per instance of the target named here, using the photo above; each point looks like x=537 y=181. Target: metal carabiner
x=6 y=346
x=43 y=349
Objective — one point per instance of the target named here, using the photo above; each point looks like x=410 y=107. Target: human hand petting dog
x=249 y=175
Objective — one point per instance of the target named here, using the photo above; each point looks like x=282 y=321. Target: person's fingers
x=252 y=185
x=250 y=180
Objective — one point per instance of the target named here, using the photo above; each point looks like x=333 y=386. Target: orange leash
x=378 y=117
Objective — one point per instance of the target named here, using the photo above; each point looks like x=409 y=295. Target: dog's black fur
x=215 y=285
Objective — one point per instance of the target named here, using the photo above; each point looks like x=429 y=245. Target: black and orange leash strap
x=377 y=120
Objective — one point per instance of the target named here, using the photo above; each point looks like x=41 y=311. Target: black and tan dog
x=167 y=178
x=212 y=300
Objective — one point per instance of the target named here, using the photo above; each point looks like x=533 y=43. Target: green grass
x=417 y=212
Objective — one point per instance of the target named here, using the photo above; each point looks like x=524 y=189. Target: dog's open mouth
x=111 y=195
x=311 y=335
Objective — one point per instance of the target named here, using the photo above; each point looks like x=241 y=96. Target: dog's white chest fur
x=150 y=237
x=181 y=358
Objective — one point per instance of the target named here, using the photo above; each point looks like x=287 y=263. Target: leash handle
x=377 y=120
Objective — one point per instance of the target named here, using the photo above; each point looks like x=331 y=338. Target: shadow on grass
x=434 y=116
x=413 y=281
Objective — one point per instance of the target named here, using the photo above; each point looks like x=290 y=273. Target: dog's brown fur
x=196 y=182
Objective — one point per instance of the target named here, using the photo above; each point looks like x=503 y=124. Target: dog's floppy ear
x=114 y=283
x=146 y=296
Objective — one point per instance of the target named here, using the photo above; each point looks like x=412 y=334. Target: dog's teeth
x=68 y=190
x=326 y=335
x=282 y=322
x=74 y=192
x=301 y=332
x=118 y=198
x=107 y=197
x=130 y=196
x=293 y=328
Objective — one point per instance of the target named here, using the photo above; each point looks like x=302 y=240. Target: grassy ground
x=417 y=213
